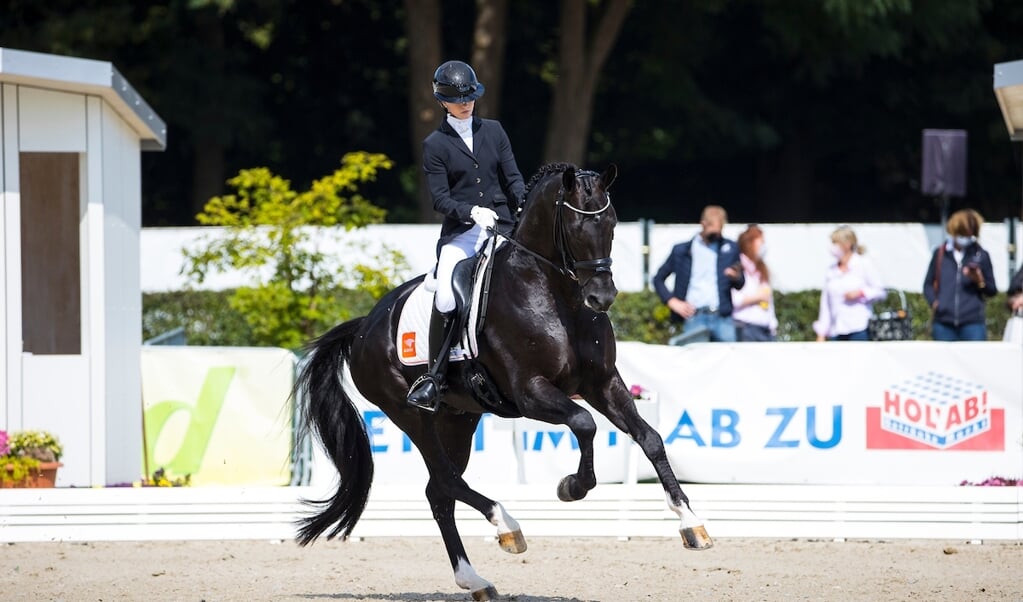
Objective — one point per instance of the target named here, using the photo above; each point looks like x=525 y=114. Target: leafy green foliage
x=270 y=237
x=642 y=317
x=210 y=320
x=637 y=316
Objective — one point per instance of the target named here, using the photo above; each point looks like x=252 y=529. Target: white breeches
x=463 y=246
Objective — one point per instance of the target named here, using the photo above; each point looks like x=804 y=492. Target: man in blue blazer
x=706 y=268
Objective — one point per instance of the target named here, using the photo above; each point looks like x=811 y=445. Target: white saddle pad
x=413 y=341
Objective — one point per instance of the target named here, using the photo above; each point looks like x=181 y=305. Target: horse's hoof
x=696 y=538
x=569 y=491
x=512 y=542
x=487 y=593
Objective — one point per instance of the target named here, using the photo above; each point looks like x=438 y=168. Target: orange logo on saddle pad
x=408 y=344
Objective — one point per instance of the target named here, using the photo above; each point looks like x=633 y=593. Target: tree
x=488 y=48
x=580 y=61
x=268 y=236
x=422 y=23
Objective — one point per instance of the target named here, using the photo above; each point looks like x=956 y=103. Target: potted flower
x=29 y=459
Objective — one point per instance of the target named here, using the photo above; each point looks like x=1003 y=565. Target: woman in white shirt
x=851 y=287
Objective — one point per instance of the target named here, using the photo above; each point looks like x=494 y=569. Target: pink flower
x=4 y=447
x=995 y=482
x=635 y=391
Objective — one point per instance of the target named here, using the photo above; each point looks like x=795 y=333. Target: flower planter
x=44 y=476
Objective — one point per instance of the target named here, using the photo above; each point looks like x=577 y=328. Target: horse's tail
x=328 y=411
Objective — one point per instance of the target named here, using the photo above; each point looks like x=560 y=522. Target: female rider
x=476 y=185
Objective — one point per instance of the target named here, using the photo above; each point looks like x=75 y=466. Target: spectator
x=706 y=268
x=1014 y=299
x=753 y=313
x=959 y=280
x=851 y=286
x=1014 y=296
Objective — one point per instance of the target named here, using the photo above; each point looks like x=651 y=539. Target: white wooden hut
x=72 y=131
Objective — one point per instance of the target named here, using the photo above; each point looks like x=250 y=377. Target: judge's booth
x=72 y=131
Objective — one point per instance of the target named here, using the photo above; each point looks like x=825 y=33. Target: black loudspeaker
x=944 y=163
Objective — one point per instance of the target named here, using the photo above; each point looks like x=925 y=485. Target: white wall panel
x=93 y=295
x=52 y=401
x=51 y=121
x=10 y=387
x=121 y=193
x=798 y=255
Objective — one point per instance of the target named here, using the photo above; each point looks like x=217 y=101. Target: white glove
x=484 y=218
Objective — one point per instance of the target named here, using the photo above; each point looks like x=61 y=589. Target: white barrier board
x=913 y=413
x=798 y=252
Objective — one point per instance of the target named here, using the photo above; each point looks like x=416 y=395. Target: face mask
x=964 y=241
x=837 y=251
x=713 y=237
x=763 y=250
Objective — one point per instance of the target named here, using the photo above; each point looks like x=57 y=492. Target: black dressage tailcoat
x=459 y=178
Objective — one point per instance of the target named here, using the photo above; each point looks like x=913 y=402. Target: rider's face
x=460 y=110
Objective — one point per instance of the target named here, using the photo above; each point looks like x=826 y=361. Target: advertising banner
x=904 y=413
x=901 y=413
x=219 y=414
x=898 y=413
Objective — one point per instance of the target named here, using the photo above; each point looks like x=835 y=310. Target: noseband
x=569 y=264
x=568 y=261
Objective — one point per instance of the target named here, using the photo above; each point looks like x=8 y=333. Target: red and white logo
x=936 y=411
x=408 y=345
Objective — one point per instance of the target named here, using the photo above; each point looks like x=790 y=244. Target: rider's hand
x=485 y=218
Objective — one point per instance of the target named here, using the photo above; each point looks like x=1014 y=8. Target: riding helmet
x=455 y=81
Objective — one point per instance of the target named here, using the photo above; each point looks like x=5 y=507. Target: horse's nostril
x=599 y=303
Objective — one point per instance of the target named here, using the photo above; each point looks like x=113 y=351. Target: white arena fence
x=797 y=253
x=973 y=514
x=781 y=440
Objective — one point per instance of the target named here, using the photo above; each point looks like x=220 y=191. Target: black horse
x=546 y=337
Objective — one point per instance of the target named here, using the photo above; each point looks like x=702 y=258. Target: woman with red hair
x=754 y=315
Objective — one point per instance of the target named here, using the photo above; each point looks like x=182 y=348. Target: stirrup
x=426 y=386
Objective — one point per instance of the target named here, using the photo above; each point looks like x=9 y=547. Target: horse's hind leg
x=445 y=449
x=443 y=507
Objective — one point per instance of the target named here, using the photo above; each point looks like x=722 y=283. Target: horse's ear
x=568 y=179
x=609 y=175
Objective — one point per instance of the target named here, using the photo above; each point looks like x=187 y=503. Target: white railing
x=799 y=511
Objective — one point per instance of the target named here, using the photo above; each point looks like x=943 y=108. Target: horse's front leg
x=541 y=400
x=616 y=403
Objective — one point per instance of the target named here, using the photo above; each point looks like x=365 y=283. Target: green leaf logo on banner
x=203 y=417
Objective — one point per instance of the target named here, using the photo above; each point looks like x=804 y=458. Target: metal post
x=645 y=251
x=1012 y=246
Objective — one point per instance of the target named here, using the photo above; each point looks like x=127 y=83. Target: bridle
x=569 y=264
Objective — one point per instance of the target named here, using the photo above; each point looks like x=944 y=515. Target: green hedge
x=209 y=320
x=642 y=317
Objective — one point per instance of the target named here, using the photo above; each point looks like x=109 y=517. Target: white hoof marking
x=466 y=577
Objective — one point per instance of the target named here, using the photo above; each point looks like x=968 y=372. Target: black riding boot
x=425 y=393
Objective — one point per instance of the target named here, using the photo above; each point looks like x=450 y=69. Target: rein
x=569 y=264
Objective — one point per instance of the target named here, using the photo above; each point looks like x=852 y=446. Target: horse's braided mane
x=546 y=170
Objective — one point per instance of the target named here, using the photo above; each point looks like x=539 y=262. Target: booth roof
x=86 y=76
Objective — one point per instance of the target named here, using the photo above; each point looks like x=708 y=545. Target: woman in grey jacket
x=959 y=281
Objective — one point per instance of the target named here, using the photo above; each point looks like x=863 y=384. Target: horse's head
x=577 y=207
